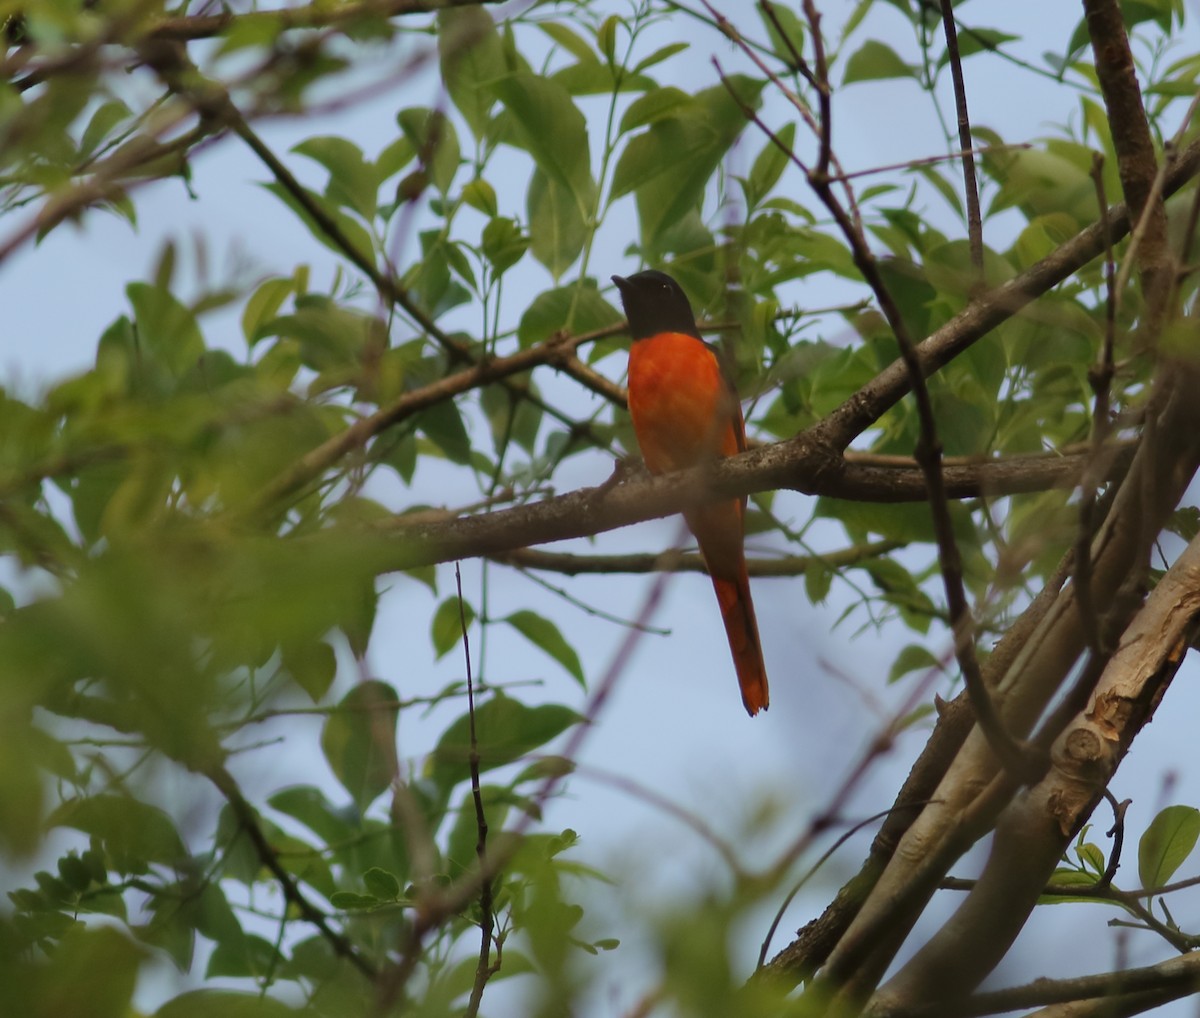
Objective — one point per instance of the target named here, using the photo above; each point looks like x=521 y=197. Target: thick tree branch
x=800 y=464
x=1037 y=827
x=813 y=944
x=1045 y=660
x=1136 y=158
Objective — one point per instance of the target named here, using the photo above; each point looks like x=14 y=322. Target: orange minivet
x=686 y=411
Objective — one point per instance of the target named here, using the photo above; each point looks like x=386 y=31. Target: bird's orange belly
x=679 y=402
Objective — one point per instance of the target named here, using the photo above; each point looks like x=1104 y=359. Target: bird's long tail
x=741 y=629
x=718 y=531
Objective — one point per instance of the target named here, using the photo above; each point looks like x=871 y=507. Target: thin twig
x=438 y=906
x=970 y=183
x=812 y=872
x=267 y=855
x=797 y=63
x=908 y=164
x=484 y=970
x=1117 y=833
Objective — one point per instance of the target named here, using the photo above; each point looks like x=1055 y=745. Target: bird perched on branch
x=685 y=412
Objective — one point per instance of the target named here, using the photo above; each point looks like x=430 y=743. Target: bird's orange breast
x=683 y=411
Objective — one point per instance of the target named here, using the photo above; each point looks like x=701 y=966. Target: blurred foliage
x=159 y=607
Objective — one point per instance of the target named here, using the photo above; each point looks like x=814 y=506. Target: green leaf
x=572 y=42
x=503 y=244
x=655 y=105
x=793 y=29
x=1091 y=856
x=818 y=578
x=443 y=425
x=670 y=164
x=382 y=884
x=1168 y=841
x=348 y=900
x=552 y=130
x=913 y=658
x=1134 y=12
x=247 y=956
x=593 y=77
x=107 y=116
x=263 y=305
x=74 y=872
x=511 y=418
x=91 y=972
x=313 y=666
x=461 y=844
x=359 y=741
x=432 y=135
x=875 y=60
x=472 y=57
x=543 y=633
x=1185 y=522
x=606 y=37
x=330 y=336
x=907 y=523
x=394 y=158
x=574 y=309
x=769 y=165
x=557 y=227
x=977 y=40
x=480 y=195
x=1042 y=182
x=225 y=1003
x=506 y=730
x=447 y=626
x=356 y=235
x=353 y=182
x=309 y=806
x=166 y=328
x=134 y=833
x=1064 y=878
x=659 y=55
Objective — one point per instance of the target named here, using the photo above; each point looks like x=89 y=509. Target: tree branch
x=1042 y=664
x=1136 y=158
x=1174 y=978
x=994 y=307
x=929 y=446
x=800 y=464
x=319 y=15
x=1037 y=827
x=675 y=561
x=965 y=143
x=267 y=855
x=813 y=944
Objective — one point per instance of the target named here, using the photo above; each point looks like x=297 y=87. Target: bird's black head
x=655 y=303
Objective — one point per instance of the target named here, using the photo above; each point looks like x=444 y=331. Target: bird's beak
x=621 y=281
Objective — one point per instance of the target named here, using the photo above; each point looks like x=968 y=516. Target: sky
x=674 y=723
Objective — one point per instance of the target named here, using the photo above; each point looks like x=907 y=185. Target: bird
x=686 y=412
